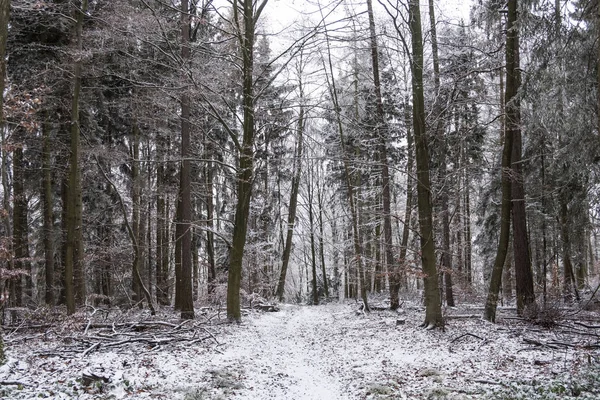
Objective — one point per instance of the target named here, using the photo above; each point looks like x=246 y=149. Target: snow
x=330 y=351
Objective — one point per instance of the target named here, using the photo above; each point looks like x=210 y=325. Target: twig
x=465 y=334
x=90 y=349
x=15 y=383
x=89 y=321
x=586 y=325
x=211 y=335
x=487 y=382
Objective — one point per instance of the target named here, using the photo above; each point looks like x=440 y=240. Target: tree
x=183 y=288
x=293 y=204
x=246 y=38
x=4 y=19
x=382 y=135
x=74 y=278
x=522 y=260
x=433 y=312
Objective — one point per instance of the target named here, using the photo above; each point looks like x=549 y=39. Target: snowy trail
x=281 y=356
x=326 y=352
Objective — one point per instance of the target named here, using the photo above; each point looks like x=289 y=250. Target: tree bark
x=433 y=312
x=446 y=259
x=349 y=186
x=382 y=135
x=184 y=280
x=4 y=18
x=162 y=229
x=246 y=157
x=506 y=209
x=522 y=260
x=73 y=257
x=48 y=214
x=135 y=213
x=293 y=203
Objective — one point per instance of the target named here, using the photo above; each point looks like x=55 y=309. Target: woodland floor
x=322 y=352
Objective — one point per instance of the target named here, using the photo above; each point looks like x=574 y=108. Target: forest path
x=282 y=355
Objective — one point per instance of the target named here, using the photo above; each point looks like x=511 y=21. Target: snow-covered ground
x=303 y=352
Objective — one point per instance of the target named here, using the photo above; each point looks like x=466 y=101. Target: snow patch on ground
x=305 y=353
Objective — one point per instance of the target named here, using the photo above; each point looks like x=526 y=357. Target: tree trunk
x=409 y=199
x=438 y=114
x=522 y=260
x=569 y=284
x=322 y=243
x=4 y=18
x=20 y=227
x=135 y=213
x=506 y=210
x=73 y=257
x=433 y=312
x=210 y=211
x=349 y=186
x=246 y=157
x=313 y=258
x=507 y=281
x=184 y=280
x=382 y=135
x=162 y=236
x=48 y=214
x=293 y=203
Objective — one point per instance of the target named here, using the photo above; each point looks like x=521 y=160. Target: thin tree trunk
x=48 y=214
x=382 y=134
x=313 y=258
x=433 y=311
x=349 y=186
x=506 y=209
x=444 y=198
x=507 y=281
x=184 y=280
x=409 y=198
x=321 y=242
x=4 y=18
x=293 y=203
x=73 y=257
x=210 y=211
x=162 y=240
x=135 y=212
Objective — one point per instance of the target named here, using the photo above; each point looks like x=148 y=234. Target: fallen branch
x=464 y=335
x=13 y=383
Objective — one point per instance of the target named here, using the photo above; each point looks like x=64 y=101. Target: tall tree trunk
x=135 y=212
x=73 y=257
x=162 y=239
x=20 y=227
x=246 y=157
x=409 y=198
x=293 y=203
x=183 y=284
x=467 y=223
x=509 y=124
x=438 y=114
x=48 y=214
x=433 y=311
x=4 y=18
x=522 y=260
x=382 y=135
x=349 y=186
x=313 y=258
x=210 y=215
x=569 y=284
x=322 y=242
